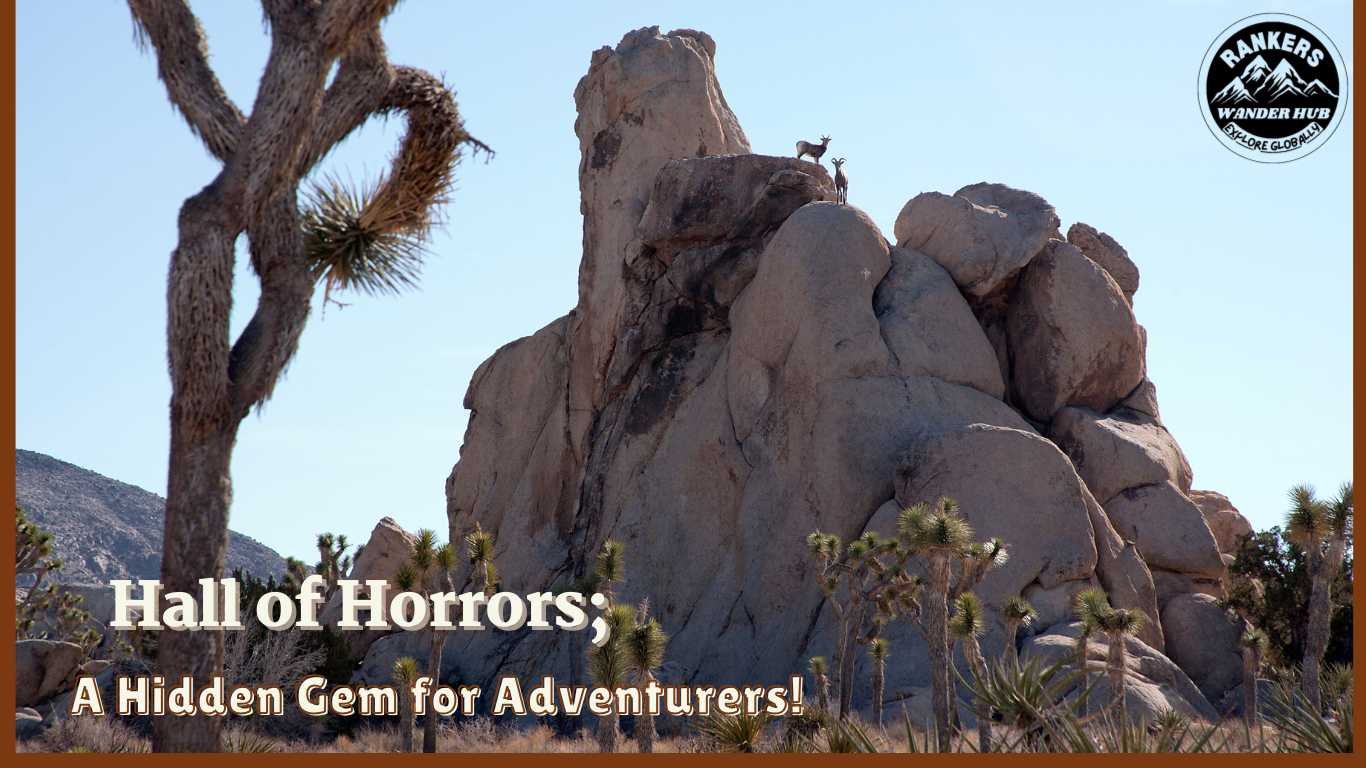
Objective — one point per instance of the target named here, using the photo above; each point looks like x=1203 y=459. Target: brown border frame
x=7 y=673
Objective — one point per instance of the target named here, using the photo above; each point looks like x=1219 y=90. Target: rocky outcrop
x=1155 y=684
x=1224 y=520
x=43 y=668
x=749 y=361
x=103 y=529
x=1110 y=255
x=380 y=558
x=1207 y=641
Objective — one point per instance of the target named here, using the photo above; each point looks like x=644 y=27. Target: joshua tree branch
x=183 y=65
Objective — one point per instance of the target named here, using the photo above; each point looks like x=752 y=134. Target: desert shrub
x=93 y=734
x=1270 y=582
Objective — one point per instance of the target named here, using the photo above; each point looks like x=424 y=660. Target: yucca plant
x=1300 y=725
x=1088 y=605
x=820 y=673
x=645 y=646
x=1254 y=642
x=968 y=624
x=405 y=674
x=1016 y=613
x=1119 y=624
x=944 y=540
x=1315 y=526
x=610 y=568
x=865 y=584
x=878 y=651
x=734 y=733
x=333 y=561
x=609 y=666
x=443 y=562
x=479 y=552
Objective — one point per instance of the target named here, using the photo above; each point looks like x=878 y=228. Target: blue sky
x=1246 y=268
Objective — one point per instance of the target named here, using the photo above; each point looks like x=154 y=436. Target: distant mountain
x=105 y=529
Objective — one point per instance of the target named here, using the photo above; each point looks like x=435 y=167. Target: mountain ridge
x=106 y=529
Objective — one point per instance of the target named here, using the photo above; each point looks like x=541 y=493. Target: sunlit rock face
x=749 y=361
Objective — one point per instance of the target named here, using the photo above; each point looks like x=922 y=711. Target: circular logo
x=1273 y=87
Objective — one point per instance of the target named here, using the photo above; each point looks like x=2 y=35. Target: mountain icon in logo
x=1260 y=83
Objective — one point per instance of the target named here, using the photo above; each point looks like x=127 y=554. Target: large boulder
x=1168 y=528
x=44 y=668
x=929 y=328
x=1224 y=520
x=1156 y=684
x=1119 y=450
x=983 y=235
x=27 y=723
x=1073 y=337
x=1204 y=639
x=386 y=549
x=651 y=99
x=1110 y=255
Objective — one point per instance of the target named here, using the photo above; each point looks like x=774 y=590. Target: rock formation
x=749 y=361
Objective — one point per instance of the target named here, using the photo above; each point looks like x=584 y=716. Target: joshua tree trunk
x=296 y=119
x=1083 y=648
x=972 y=650
x=1251 y=716
x=406 y=718
x=1012 y=654
x=1118 y=669
x=937 y=637
x=846 y=669
x=609 y=734
x=434 y=672
x=645 y=724
x=879 y=689
x=823 y=693
x=1320 y=619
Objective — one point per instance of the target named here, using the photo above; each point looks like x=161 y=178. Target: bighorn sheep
x=815 y=150
x=841 y=181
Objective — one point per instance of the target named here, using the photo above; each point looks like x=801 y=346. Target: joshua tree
x=968 y=624
x=1089 y=605
x=863 y=592
x=943 y=539
x=405 y=676
x=1017 y=612
x=878 y=651
x=1315 y=525
x=327 y=74
x=644 y=648
x=1119 y=624
x=608 y=666
x=479 y=551
x=428 y=569
x=333 y=562
x=610 y=569
x=1254 y=643
x=820 y=672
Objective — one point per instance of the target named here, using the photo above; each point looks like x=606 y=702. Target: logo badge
x=1273 y=88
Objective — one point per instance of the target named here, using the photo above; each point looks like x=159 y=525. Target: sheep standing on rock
x=814 y=150
x=841 y=181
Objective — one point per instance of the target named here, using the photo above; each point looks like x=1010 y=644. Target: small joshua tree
x=479 y=552
x=1117 y=624
x=428 y=569
x=878 y=651
x=865 y=583
x=333 y=562
x=943 y=540
x=820 y=674
x=1017 y=612
x=968 y=624
x=1321 y=529
x=644 y=646
x=608 y=666
x=405 y=677
x=1254 y=642
x=1089 y=605
x=609 y=569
